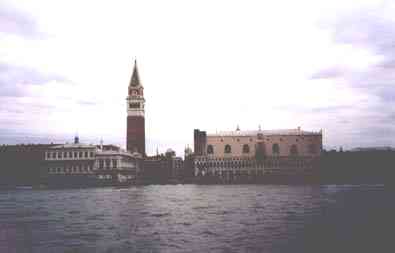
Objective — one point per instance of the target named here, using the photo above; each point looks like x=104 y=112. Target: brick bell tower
x=135 y=127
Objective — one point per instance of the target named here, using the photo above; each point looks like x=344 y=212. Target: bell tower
x=135 y=125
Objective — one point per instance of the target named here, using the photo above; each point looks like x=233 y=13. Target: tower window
x=246 y=148
x=134 y=105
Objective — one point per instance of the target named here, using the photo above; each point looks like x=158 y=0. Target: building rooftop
x=296 y=131
x=74 y=145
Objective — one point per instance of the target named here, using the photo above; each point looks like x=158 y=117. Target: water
x=197 y=218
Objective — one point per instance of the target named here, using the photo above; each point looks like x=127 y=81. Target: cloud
x=17 y=22
x=371 y=30
x=328 y=73
x=374 y=31
x=14 y=79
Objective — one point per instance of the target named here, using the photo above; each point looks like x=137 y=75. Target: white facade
x=82 y=159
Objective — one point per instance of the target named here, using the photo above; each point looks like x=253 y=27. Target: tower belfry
x=135 y=127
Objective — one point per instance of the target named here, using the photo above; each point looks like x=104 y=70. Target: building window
x=86 y=154
x=246 y=149
x=71 y=154
x=108 y=163
x=75 y=154
x=114 y=163
x=53 y=155
x=80 y=154
x=238 y=139
x=260 y=136
x=228 y=149
x=91 y=154
x=312 y=149
x=210 y=149
x=294 y=150
x=276 y=149
x=101 y=164
x=134 y=105
x=48 y=155
x=250 y=139
x=65 y=154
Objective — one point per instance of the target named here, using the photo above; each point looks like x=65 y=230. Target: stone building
x=21 y=165
x=251 y=154
x=87 y=165
x=163 y=168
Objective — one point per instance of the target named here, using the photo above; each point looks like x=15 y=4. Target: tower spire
x=135 y=80
x=135 y=125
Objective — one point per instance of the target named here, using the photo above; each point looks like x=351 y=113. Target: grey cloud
x=87 y=103
x=13 y=78
x=328 y=73
x=14 y=21
x=376 y=132
x=330 y=109
x=367 y=29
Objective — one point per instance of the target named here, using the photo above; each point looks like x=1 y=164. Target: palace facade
x=252 y=154
x=80 y=164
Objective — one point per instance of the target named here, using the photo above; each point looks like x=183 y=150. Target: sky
x=65 y=68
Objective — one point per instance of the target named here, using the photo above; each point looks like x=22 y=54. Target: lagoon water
x=197 y=218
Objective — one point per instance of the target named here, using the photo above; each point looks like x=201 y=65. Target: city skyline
x=66 y=68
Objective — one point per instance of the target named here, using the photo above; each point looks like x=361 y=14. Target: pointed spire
x=135 y=80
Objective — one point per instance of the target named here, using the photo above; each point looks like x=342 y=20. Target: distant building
x=385 y=148
x=22 y=164
x=87 y=165
x=135 y=128
x=188 y=171
x=164 y=168
x=251 y=154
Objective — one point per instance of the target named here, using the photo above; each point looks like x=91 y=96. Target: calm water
x=192 y=218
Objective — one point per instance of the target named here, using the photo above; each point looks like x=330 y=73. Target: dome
x=170 y=153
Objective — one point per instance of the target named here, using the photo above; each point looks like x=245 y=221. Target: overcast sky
x=65 y=68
